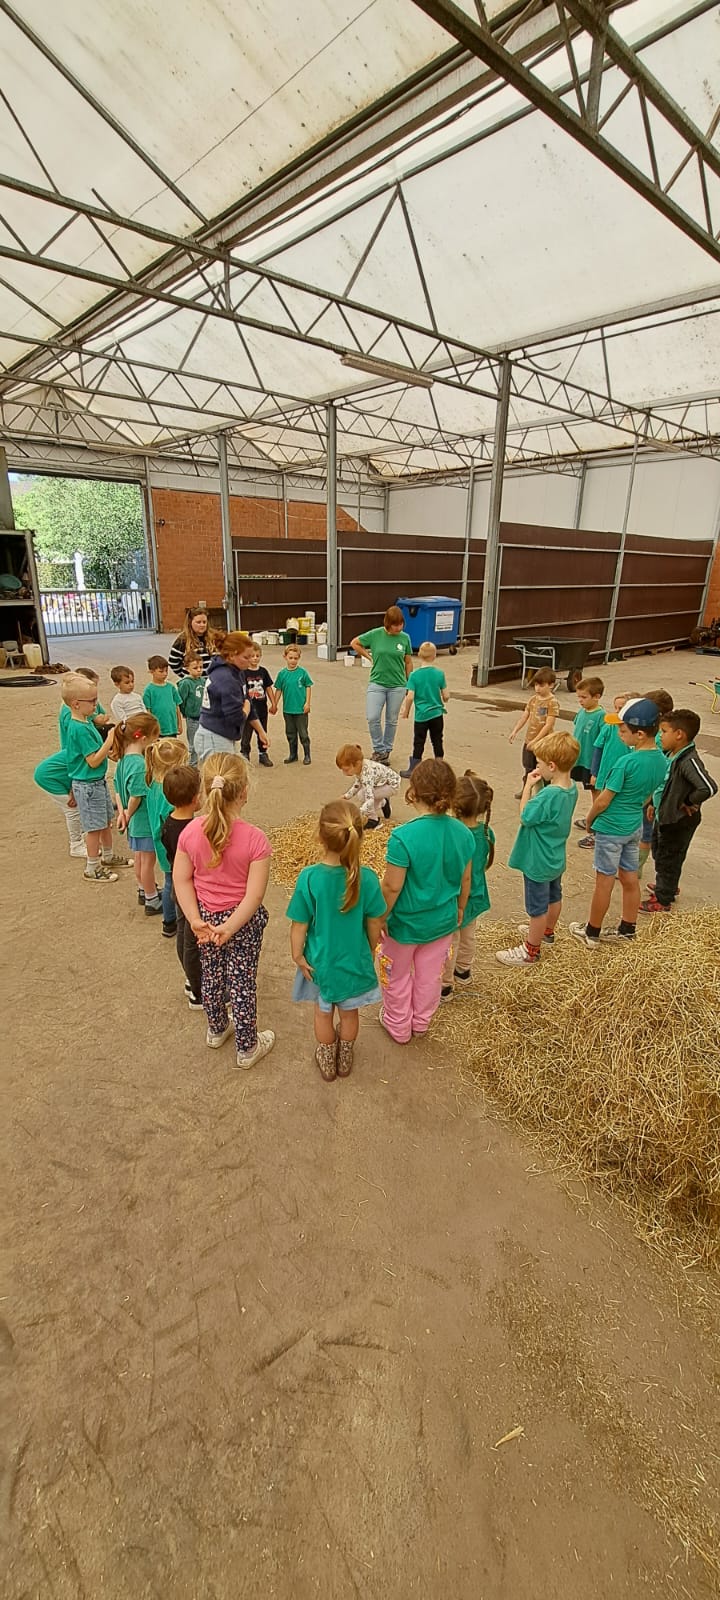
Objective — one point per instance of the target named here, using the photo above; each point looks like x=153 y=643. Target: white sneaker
x=524 y=929
x=215 y=1040
x=578 y=931
x=519 y=956
x=79 y=851
x=265 y=1042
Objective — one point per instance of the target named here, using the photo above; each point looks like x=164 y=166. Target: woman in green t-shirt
x=390 y=651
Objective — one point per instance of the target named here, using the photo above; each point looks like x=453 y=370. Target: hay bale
x=296 y=845
x=613 y=1061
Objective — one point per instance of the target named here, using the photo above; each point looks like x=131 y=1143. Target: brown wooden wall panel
x=653 y=599
x=672 y=628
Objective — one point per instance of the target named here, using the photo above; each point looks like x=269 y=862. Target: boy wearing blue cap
x=615 y=818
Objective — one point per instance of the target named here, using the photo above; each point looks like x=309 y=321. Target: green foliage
x=101 y=520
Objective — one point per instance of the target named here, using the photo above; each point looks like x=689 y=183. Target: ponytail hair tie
x=217 y=783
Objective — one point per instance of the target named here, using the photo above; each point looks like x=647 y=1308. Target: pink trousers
x=411 y=978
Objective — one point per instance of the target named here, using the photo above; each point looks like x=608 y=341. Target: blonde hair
x=560 y=749
x=290 y=647
x=161 y=756
x=427 y=651
x=224 y=783
x=349 y=755
x=141 y=725
x=74 y=686
x=341 y=831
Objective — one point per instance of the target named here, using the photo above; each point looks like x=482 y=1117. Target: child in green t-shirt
x=336 y=911
x=616 y=818
x=161 y=698
x=132 y=738
x=190 y=691
x=426 y=885
x=428 y=691
x=293 y=685
x=99 y=717
x=539 y=851
x=86 y=754
x=473 y=802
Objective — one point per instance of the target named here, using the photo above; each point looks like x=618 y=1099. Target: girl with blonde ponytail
x=336 y=913
x=221 y=871
x=131 y=740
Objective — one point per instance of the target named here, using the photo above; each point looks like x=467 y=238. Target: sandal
x=345 y=1049
x=325 y=1061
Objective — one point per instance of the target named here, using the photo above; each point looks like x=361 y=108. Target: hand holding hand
x=202 y=930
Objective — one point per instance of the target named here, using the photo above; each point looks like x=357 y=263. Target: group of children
x=406 y=941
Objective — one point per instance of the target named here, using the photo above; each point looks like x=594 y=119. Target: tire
x=453 y=649
x=573 y=678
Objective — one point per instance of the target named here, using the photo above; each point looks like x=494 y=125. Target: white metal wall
x=675 y=498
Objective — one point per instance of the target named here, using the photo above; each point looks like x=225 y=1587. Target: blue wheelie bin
x=431 y=617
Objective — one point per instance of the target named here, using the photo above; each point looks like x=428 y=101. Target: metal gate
x=69 y=612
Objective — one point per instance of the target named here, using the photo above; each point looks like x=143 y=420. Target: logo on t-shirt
x=399 y=646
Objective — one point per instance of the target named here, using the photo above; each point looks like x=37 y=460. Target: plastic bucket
x=33 y=656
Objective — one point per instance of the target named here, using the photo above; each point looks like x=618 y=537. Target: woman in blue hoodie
x=225 y=706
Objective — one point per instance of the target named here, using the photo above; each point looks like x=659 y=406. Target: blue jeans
x=389 y=700
x=191 y=727
x=168 y=902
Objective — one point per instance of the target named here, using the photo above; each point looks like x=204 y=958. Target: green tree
x=103 y=521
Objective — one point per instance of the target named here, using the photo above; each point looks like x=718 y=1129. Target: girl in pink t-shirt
x=221 y=871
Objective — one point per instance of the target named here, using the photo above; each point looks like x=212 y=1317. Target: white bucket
x=272 y=638
x=322 y=651
x=33 y=656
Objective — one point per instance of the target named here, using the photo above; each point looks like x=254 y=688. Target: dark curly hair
x=433 y=784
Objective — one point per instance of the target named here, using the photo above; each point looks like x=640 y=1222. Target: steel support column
x=230 y=600
x=331 y=555
x=617 y=580
x=466 y=551
x=386 y=510
x=151 y=545
x=712 y=558
x=580 y=495
x=492 y=539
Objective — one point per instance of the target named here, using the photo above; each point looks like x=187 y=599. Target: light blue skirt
x=303 y=989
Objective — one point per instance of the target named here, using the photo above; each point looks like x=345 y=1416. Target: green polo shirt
x=434 y=850
x=539 y=851
x=336 y=946
x=388 y=651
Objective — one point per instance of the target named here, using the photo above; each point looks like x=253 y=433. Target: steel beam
x=466 y=551
x=620 y=559
x=230 y=601
x=331 y=530
x=712 y=558
x=488 y=618
x=151 y=544
x=611 y=54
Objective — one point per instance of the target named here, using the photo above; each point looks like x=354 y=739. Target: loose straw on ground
x=296 y=845
x=611 y=1059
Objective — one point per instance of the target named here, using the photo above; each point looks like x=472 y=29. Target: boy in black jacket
x=677 y=806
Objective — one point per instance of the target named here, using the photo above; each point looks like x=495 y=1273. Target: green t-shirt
x=479 y=898
x=190 y=692
x=293 y=686
x=52 y=774
x=162 y=701
x=130 y=784
x=65 y=718
x=607 y=739
x=633 y=778
x=539 y=850
x=81 y=740
x=336 y=946
x=434 y=850
x=586 y=727
x=158 y=808
x=388 y=651
x=426 y=684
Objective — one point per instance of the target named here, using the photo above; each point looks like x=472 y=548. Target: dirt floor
x=261 y=1335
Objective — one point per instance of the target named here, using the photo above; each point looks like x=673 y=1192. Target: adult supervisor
x=197 y=638
x=390 y=651
x=225 y=707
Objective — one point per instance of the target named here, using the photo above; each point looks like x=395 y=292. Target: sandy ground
x=260 y=1334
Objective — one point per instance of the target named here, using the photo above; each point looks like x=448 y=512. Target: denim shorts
x=538 y=896
x=617 y=852
x=95 y=808
x=303 y=989
x=142 y=841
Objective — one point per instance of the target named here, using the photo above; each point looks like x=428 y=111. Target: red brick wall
x=712 y=608
x=189 y=541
